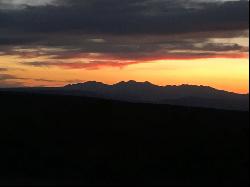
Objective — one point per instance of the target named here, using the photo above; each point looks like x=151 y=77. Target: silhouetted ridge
x=146 y=92
x=134 y=84
x=190 y=95
x=86 y=84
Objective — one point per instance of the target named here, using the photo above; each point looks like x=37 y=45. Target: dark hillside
x=77 y=140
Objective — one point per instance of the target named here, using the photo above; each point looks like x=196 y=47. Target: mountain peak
x=126 y=82
x=93 y=83
x=134 y=83
x=88 y=84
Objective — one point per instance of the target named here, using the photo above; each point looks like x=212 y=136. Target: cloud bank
x=92 y=34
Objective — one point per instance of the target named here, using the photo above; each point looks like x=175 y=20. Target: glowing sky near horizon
x=168 y=43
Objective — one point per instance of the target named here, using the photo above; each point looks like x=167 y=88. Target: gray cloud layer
x=128 y=17
x=121 y=29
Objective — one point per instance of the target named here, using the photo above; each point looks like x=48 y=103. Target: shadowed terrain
x=50 y=139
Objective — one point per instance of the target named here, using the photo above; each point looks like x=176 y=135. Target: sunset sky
x=166 y=42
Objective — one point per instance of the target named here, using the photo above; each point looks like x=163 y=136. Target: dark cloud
x=5 y=84
x=8 y=80
x=3 y=69
x=129 y=51
x=121 y=60
x=4 y=77
x=91 y=65
x=121 y=32
x=55 y=81
x=129 y=17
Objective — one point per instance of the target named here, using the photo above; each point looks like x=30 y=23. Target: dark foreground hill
x=48 y=139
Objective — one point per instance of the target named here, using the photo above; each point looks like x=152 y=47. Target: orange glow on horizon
x=231 y=74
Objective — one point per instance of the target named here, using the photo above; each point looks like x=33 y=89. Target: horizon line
x=107 y=84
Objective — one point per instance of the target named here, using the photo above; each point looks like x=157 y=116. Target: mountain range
x=146 y=92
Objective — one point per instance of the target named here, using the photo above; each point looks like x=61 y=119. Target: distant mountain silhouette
x=186 y=95
x=146 y=92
